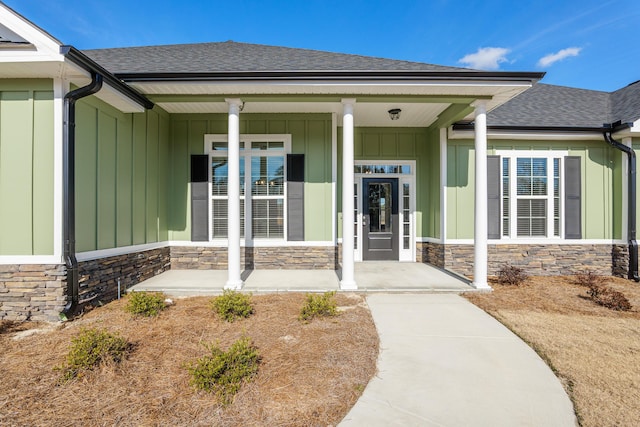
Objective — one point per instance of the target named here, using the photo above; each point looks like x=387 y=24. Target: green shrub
x=90 y=348
x=511 y=275
x=319 y=305
x=147 y=304
x=223 y=372
x=232 y=305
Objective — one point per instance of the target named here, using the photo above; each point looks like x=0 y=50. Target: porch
x=371 y=277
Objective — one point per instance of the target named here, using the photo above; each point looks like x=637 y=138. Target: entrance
x=380 y=222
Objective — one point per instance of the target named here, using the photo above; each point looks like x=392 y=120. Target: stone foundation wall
x=98 y=279
x=539 y=260
x=430 y=253
x=289 y=258
x=32 y=292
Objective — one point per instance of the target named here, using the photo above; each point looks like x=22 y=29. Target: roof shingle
x=232 y=56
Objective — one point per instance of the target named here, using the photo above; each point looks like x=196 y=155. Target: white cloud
x=552 y=58
x=486 y=58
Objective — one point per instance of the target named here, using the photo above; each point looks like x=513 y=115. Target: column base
x=348 y=285
x=233 y=285
x=482 y=285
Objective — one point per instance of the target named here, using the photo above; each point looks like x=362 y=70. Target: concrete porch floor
x=370 y=277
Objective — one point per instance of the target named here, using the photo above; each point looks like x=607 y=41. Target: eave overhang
x=89 y=65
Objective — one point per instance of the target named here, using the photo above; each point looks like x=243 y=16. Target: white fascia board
x=45 y=45
x=528 y=135
x=30 y=259
x=541 y=242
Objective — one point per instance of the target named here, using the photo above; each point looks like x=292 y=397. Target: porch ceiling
x=374 y=114
x=421 y=101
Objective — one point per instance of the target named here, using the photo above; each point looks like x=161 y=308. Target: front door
x=380 y=219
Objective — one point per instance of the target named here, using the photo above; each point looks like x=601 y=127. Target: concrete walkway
x=445 y=362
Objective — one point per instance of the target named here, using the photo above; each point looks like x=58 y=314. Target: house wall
x=122 y=176
x=26 y=167
x=310 y=135
x=391 y=144
x=602 y=215
x=601 y=184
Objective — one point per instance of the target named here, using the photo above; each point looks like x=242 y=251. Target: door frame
x=404 y=254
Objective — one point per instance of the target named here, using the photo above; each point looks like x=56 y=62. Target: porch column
x=348 y=280
x=234 y=280
x=480 y=205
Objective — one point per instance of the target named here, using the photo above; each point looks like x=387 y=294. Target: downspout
x=631 y=215
x=69 y=186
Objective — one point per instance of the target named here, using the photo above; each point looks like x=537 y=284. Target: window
x=531 y=202
x=262 y=170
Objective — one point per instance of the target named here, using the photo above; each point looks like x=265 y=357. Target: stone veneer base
x=286 y=258
x=98 y=279
x=32 y=291
x=539 y=260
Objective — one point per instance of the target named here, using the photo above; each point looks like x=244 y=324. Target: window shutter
x=199 y=198
x=493 y=197
x=572 y=198
x=295 y=197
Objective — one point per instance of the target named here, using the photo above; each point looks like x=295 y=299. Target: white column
x=234 y=280
x=348 y=280
x=480 y=206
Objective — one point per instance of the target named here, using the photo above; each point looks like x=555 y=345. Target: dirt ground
x=594 y=351
x=311 y=374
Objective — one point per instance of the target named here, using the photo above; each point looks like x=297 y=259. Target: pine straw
x=311 y=374
x=594 y=351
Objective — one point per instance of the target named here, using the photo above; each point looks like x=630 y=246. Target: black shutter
x=572 y=198
x=493 y=197
x=295 y=197
x=199 y=199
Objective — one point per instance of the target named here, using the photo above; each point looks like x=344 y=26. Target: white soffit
x=496 y=93
x=372 y=114
x=80 y=77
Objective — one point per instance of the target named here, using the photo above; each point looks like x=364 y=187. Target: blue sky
x=589 y=44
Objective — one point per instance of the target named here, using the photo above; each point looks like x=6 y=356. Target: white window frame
x=246 y=156
x=549 y=156
x=405 y=255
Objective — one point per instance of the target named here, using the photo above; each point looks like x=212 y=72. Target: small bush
x=511 y=275
x=147 y=304
x=609 y=298
x=589 y=278
x=223 y=373
x=232 y=305
x=90 y=348
x=319 y=305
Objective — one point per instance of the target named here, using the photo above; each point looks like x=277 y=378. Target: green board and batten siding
x=122 y=176
x=310 y=135
x=601 y=186
x=26 y=167
x=396 y=144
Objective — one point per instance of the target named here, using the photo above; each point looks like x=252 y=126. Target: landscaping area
x=191 y=363
x=594 y=350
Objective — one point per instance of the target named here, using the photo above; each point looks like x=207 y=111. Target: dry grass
x=311 y=374
x=594 y=351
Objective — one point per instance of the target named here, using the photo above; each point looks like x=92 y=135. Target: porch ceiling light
x=394 y=113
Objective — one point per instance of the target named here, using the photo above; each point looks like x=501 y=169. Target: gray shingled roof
x=626 y=103
x=541 y=106
x=232 y=56
x=560 y=106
